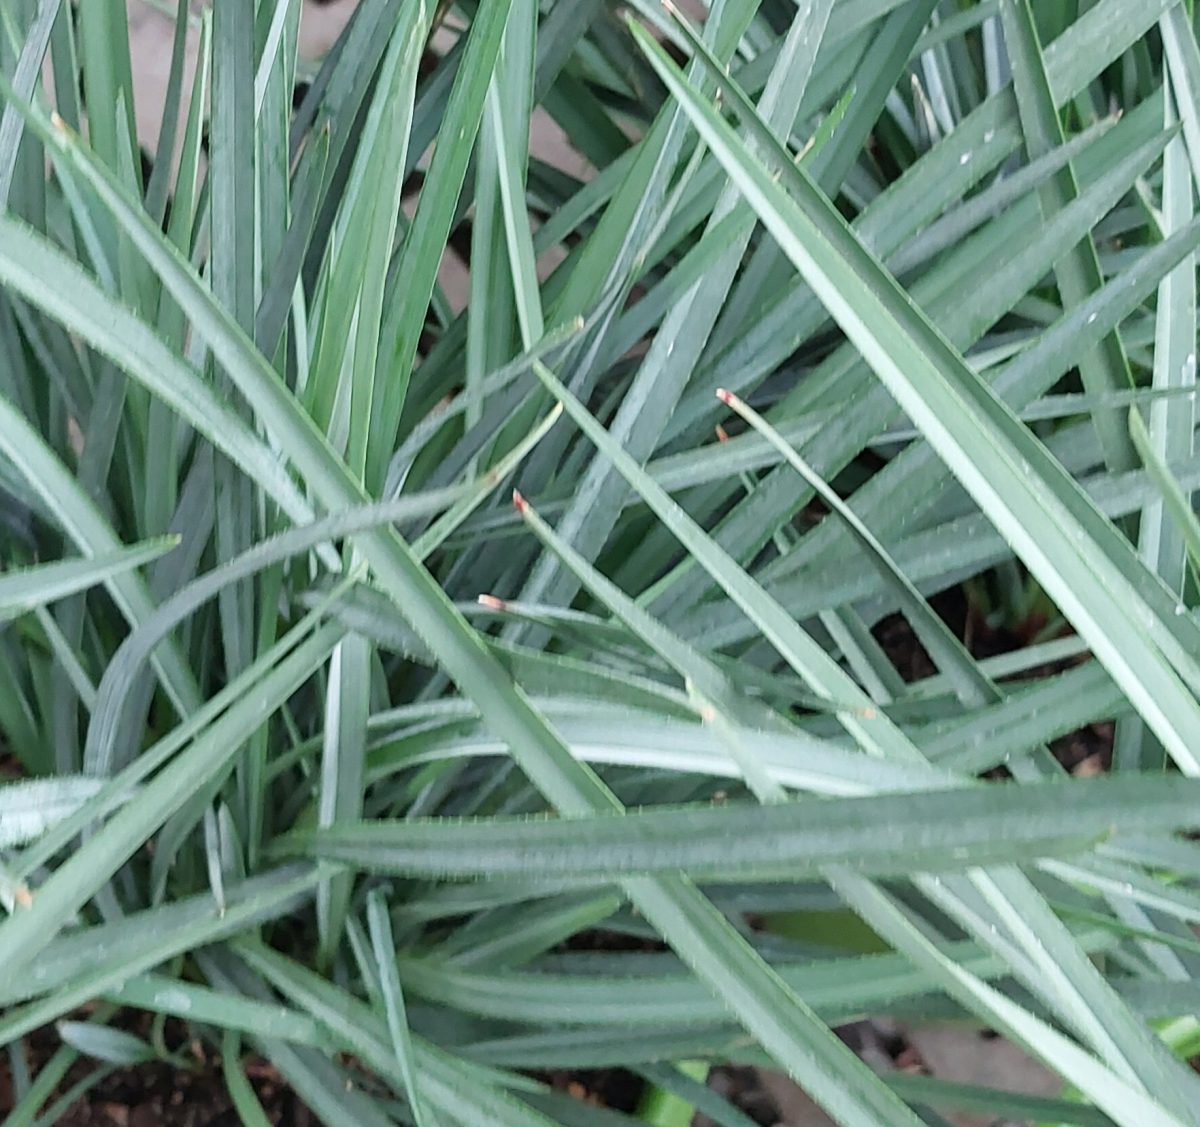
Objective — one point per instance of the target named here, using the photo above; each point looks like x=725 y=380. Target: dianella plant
x=569 y=534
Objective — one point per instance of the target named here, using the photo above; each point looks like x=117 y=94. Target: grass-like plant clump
x=427 y=692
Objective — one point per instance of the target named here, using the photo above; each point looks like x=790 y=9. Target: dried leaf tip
x=519 y=502
x=491 y=602
x=57 y=121
x=722 y=433
x=22 y=897
x=726 y=397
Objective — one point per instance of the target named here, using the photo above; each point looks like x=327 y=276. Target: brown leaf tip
x=491 y=602
x=725 y=396
x=519 y=502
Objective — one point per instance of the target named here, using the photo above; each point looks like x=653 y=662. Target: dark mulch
x=879 y=1042
x=613 y=1088
x=144 y=1095
x=743 y=1087
x=1087 y=751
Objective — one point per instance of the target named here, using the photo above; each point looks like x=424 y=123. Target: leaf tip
x=491 y=602
x=519 y=502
